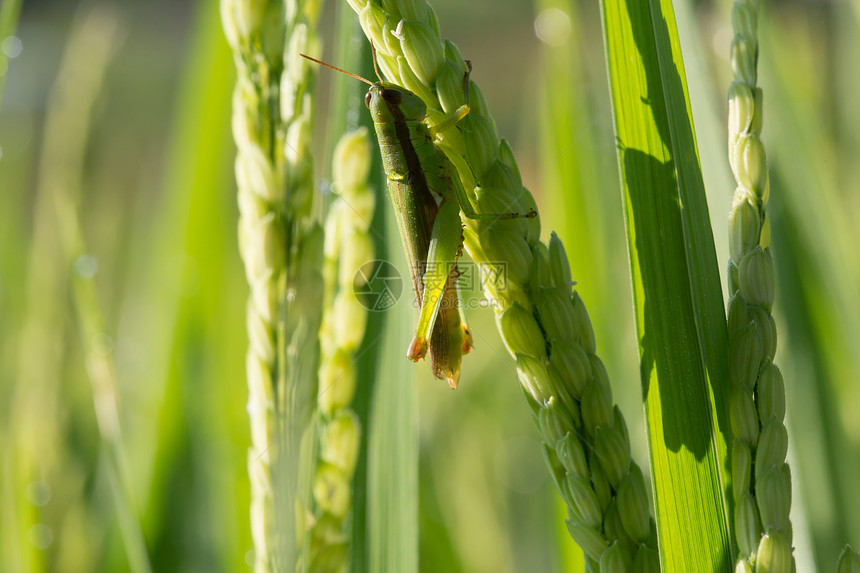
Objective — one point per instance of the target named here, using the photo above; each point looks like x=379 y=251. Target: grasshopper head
x=390 y=102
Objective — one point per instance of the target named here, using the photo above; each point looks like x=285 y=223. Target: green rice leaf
x=385 y=487
x=679 y=310
x=392 y=479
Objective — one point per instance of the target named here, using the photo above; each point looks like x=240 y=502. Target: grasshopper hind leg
x=441 y=328
x=450 y=338
x=461 y=308
x=467 y=332
x=445 y=243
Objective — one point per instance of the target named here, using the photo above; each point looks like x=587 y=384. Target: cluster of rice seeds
x=761 y=479
x=280 y=245
x=544 y=323
x=348 y=246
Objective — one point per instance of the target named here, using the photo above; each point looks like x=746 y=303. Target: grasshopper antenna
x=368 y=82
x=373 y=53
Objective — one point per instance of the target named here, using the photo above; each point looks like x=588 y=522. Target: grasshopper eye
x=394 y=97
x=367 y=100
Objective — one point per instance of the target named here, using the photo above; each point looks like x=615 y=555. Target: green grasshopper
x=428 y=198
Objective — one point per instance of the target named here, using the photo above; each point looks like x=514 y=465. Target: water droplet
x=41 y=536
x=38 y=492
x=86 y=266
x=102 y=344
x=722 y=41
x=12 y=47
x=552 y=26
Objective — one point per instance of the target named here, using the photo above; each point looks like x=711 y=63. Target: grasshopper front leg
x=459 y=192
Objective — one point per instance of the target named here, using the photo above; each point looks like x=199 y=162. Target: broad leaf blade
x=679 y=309
x=392 y=458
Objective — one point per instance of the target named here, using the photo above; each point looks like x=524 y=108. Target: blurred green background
x=120 y=281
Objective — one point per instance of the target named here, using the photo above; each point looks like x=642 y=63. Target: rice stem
x=761 y=478
x=543 y=321
x=281 y=244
